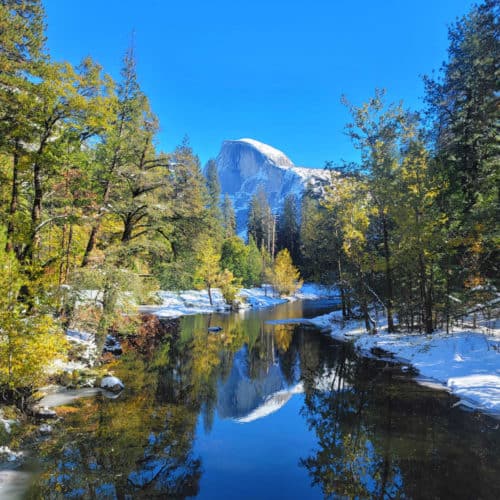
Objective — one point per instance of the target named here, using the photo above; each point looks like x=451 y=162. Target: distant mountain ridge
x=245 y=164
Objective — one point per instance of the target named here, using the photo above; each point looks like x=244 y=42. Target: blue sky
x=270 y=70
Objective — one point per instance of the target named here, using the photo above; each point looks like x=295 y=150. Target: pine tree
x=114 y=151
x=213 y=186
x=288 y=227
x=228 y=217
x=262 y=222
x=464 y=104
x=254 y=265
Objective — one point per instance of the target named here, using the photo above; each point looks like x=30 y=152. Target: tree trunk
x=95 y=227
x=127 y=228
x=388 y=277
x=14 y=199
x=342 y=292
x=36 y=214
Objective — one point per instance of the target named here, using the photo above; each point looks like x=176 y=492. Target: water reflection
x=363 y=431
x=384 y=437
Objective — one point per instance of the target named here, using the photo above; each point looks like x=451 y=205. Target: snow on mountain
x=246 y=164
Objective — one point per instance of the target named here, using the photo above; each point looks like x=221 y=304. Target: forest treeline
x=413 y=227
x=91 y=211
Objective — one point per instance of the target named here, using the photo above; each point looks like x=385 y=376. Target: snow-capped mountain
x=245 y=164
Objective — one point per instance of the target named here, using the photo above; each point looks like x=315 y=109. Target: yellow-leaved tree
x=286 y=277
x=210 y=275
x=29 y=339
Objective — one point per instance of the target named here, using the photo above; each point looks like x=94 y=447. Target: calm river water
x=266 y=410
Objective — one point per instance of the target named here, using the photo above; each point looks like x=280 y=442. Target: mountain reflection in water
x=265 y=411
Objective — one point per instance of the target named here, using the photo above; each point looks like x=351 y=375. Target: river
x=265 y=409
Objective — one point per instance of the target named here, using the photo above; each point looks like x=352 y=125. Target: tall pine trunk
x=14 y=199
x=388 y=278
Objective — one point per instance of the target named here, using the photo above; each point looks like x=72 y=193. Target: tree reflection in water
x=377 y=434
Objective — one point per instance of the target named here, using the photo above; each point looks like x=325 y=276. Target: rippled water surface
x=265 y=409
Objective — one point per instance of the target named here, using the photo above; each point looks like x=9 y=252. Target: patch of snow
x=261 y=297
x=7 y=423
x=273 y=154
x=466 y=362
x=186 y=302
x=87 y=353
x=7 y=455
x=314 y=291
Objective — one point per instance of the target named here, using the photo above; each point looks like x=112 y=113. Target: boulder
x=111 y=383
x=45 y=429
x=112 y=345
x=42 y=412
x=215 y=329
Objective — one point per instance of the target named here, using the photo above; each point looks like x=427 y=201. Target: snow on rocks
x=112 y=345
x=85 y=345
x=45 y=429
x=42 y=412
x=7 y=455
x=111 y=383
x=7 y=423
x=246 y=165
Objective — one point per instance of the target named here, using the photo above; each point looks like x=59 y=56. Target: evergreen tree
x=288 y=227
x=464 y=103
x=228 y=217
x=254 y=265
x=114 y=151
x=262 y=222
x=234 y=255
x=213 y=185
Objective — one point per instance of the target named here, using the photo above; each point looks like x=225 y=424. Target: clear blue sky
x=270 y=70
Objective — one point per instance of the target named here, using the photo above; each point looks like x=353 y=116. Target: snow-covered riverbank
x=176 y=304
x=465 y=362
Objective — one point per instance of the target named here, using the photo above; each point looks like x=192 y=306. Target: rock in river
x=113 y=384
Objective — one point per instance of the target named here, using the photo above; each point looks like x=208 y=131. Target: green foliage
x=464 y=103
x=228 y=217
x=244 y=261
x=262 y=222
x=234 y=255
x=254 y=265
x=288 y=227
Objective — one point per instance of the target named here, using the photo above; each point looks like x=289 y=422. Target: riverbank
x=187 y=302
x=465 y=361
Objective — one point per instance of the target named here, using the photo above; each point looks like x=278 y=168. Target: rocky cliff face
x=245 y=164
